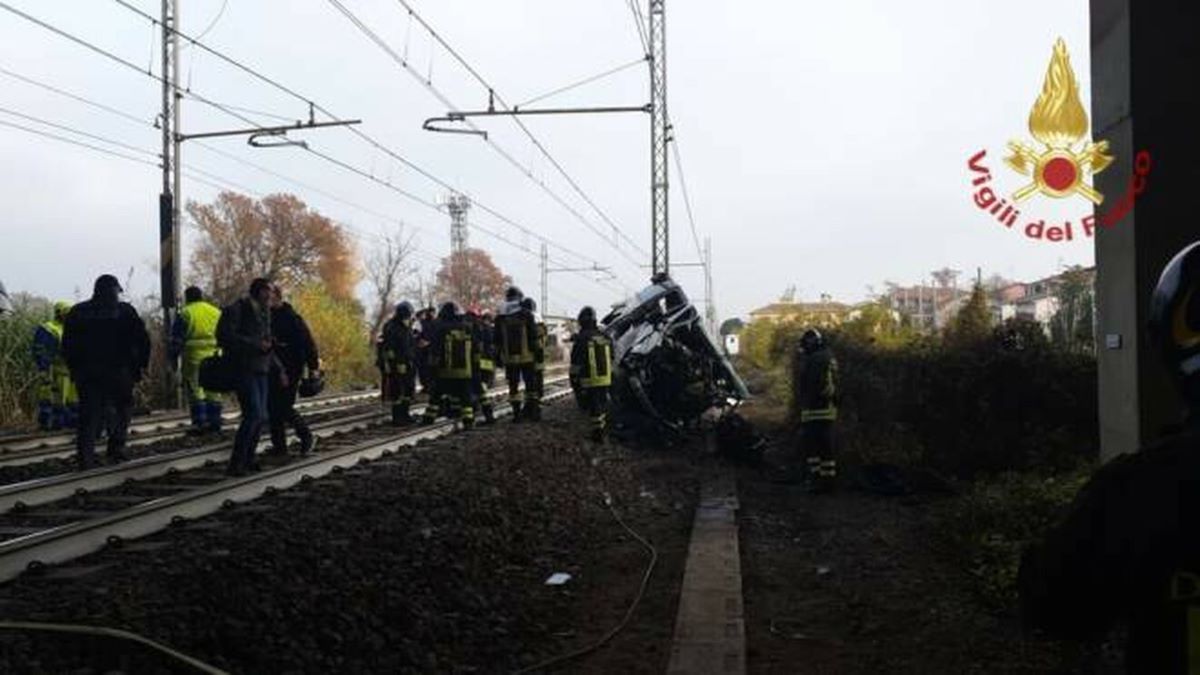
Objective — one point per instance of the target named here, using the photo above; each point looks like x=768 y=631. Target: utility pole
x=169 y=199
x=660 y=135
x=710 y=305
x=544 y=258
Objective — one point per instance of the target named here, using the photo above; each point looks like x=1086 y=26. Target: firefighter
x=424 y=335
x=1126 y=553
x=517 y=338
x=591 y=371
x=818 y=409
x=539 y=359
x=107 y=348
x=57 y=400
x=485 y=363
x=193 y=339
x=397 y=362
x=451 y=352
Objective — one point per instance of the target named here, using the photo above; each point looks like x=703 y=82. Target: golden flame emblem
x=1059 y=122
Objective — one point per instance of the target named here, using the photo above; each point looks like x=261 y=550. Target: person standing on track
x=57 y=400
x=107 y=349
x=295 y=350
x=396 y=358
x=244 y=334
x=817 y=395
x=193 y=339
x=534 y=393
x=453 y=360
x=591 y=371
x=516 y=337
x=485 y=363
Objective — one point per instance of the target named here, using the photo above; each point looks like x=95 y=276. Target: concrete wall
x=1145 y=96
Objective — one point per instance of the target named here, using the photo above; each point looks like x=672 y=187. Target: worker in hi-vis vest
x=193 y=339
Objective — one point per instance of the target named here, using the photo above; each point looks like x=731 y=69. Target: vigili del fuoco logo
x=1058 y=165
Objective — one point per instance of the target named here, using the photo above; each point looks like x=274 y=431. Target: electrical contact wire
x=358 y=132
x=374 y=37
x=63 y=127
x=541 y=148
x=580 y=83
x=181 y=91
x=687 y=203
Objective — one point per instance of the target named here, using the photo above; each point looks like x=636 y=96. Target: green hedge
x=965 y=410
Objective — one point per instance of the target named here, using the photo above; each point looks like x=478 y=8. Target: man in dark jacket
x=1127 y=551
x=295 y=350
x=452 y=356
x=485 y=363
x=396 y=358
x=107 y=350
x=817 y=396
x=244 y=334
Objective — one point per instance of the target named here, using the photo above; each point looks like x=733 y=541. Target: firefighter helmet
x=812 y=340
x=1174 y=324
x=587 y=318
x=448 y=312
x=404 y=310
x=529 y=304
x=513 y=294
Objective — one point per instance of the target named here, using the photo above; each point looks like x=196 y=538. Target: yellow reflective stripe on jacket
x=486 y=364
x=599 y=363
x=818 y=414
x=456 y=355
x=55 y=328
x=515 y=341
x=201 y=319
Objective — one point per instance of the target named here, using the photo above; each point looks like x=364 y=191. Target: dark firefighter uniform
x=193 y=339
x=517 y=338
x=397 y=362
x=424 y=336
x=452 y=356
x=818 y=408
x=539 y=355
x=1127 y=551
x=485 y=365
x=57 y=398
x=591 y=371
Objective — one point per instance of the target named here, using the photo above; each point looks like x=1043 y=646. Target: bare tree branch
x=387 y=269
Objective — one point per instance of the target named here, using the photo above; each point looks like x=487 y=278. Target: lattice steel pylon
x=660 y=136
x=458 y=205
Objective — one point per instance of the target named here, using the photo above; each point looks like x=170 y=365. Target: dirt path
x=852 y=583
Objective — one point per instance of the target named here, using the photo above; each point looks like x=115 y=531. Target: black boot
x=489 y=413
x=279 y=444
x=516 y=411
x=400 y=415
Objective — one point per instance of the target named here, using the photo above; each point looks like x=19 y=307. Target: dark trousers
x=252 y=397
x=103 y=398
x=456 y=396
x=527 y=373
x=485 y=381
x=281 y=409
x=594 y=402
x=397 y=391
x=816 y=439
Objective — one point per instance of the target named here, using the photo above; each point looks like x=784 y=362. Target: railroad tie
x=710 y=631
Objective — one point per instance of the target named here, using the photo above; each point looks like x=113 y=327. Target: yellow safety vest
x=200 y=319
x=828 y=390
x=55 y=328
x=599 y=363
x=456 y=355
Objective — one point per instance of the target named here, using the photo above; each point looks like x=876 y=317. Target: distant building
x=1036 y=300
x=825 y=313
x=927 y=308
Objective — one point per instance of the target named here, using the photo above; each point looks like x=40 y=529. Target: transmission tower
x=660 y=136
x=458 y=205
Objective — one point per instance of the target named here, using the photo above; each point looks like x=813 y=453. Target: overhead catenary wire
x=356 y=131
x=428 y=85
x=537 y=143
x=580 y=83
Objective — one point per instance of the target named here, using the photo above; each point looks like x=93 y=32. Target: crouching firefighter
x=517 y=337
x=1126 y=553
x=57 y=400
x=193 y=339
x=396 y=359
x=591 y=371
x=818 y=409
x=452 y=357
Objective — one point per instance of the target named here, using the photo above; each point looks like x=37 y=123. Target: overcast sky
x=824 y=144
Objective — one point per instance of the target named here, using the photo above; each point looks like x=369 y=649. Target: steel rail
x=61 y=486
x=62 y=543
x=160 y=422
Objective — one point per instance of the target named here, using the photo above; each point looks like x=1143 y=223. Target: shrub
x=340 y=330
x=18 y=375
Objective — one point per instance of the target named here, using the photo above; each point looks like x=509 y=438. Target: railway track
x=26 y=448
x=56 y=519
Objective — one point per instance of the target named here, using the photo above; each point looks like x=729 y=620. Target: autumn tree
x=388 y=267
x=973 y=323
x=340 y=331
x=277 y=237
x=471 y=278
